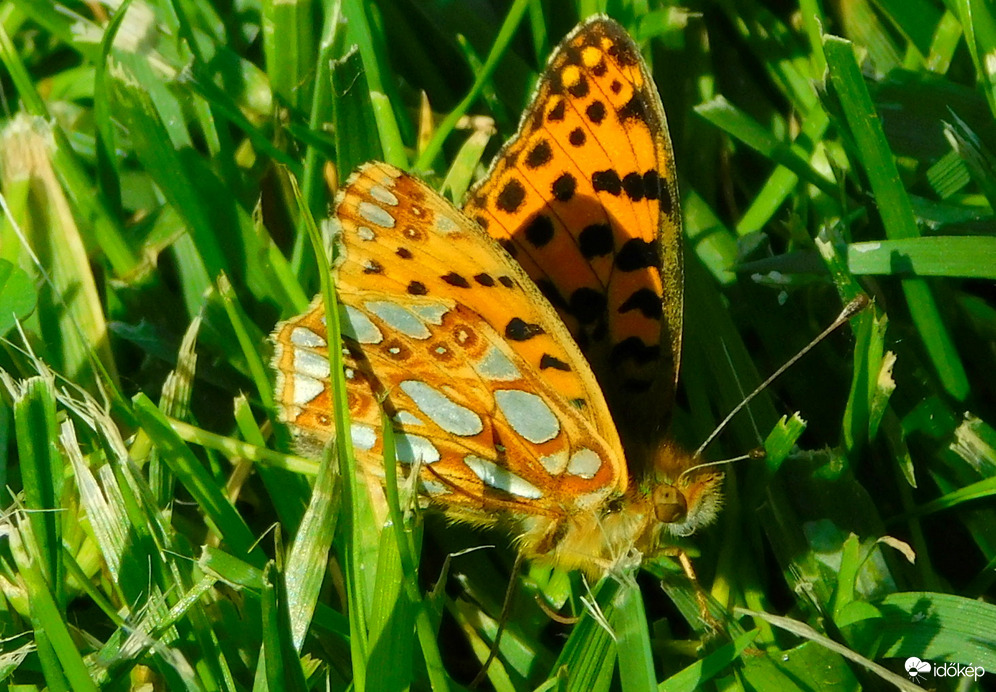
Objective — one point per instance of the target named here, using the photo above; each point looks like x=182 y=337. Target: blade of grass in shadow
x=288 y=47
x=372 y=53
x=280 y=660
x=313 y=186
x=801 y=629
x=979 y=28
x=782 y=181
x=702 y=671
x=939 y=626
x=427 y=158
x=231 y=447
x=287 y=490
x=737 y=123
x=17 y=295
x=218 y=511
x=869 y=333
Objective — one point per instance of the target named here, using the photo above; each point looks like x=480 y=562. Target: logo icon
x=915 y=667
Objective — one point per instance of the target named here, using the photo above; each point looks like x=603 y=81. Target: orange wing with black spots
x=486 y=391
x=497 y=412
x=584 y=197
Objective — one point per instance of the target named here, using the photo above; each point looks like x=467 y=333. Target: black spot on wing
x=539 y=155
x=606 y=181
x=563 y=187
x=511 y=196
x=539 y=231
x=454 y=279
x=595 y=240
x=634 y=109
x=587 y=304
x=634 y=349
x=633 y=186
x=595 y=112
x=652 y=187
x=580 y=88
x=548 y=361
x=646 y=301
x=637 y=253
x=519 y=330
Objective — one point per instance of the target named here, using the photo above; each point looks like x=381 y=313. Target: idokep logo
x=918 y=670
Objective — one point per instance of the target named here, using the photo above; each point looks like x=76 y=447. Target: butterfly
x=526 y=349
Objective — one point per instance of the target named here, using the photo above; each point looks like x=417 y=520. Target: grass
x=160 y=168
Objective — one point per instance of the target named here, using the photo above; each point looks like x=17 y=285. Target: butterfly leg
x=711 y=623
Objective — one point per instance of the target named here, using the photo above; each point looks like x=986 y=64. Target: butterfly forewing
x=584 y=197
x=485 y=389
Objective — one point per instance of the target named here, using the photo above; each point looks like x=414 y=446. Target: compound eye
x=669 y=504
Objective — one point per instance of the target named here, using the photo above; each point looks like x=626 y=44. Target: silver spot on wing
x=495 y=365
x=446 y=225
x=528 y=415
x=501 y=478
x=584 y=463
x=306 y=389
x=378 y=216
x=443 y=411
x=364 y=436
x=383 y=195
x=399 y=318
x=431 y=312
x=555 y=463
x=358 y=326
x=302 y=336
x=311 y=364
x=415 y=448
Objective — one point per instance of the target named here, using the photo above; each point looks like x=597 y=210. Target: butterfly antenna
x=849 y=311
x=753 y=454
x=506 y=607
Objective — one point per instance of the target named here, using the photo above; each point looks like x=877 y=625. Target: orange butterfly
x=527 y=373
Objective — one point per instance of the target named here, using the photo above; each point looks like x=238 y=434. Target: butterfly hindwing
x=484 y=386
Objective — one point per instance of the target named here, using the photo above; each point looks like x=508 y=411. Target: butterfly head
x=686 y=495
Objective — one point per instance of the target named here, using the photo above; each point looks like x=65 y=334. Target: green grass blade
x=189 y=471
x=953 y=256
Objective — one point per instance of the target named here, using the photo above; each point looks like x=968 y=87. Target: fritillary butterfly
x=519 y=356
